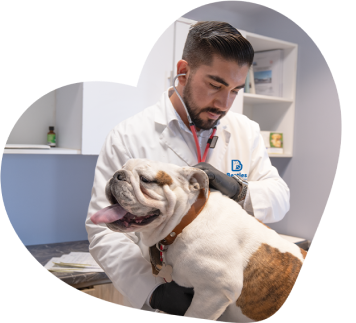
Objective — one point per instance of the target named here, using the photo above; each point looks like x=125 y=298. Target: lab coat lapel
x=170 y=138
x=216 y=156
x=176 y=143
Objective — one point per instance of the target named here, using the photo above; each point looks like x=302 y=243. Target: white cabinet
x=84 y=113
x=88 y=111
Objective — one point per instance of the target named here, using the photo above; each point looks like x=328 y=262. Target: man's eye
x=214 y=86
x=219 y=87
x=144 y=179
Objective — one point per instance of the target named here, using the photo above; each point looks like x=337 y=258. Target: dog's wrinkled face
x=146 y=195
x=142 y=206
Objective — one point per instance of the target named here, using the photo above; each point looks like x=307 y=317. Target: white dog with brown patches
x=235 y=264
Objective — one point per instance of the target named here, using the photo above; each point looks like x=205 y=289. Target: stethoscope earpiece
x=174 y=87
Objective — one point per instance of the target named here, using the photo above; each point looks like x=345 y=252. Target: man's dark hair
x=207 y=38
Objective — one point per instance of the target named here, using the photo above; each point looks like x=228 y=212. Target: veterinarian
x=215 y=63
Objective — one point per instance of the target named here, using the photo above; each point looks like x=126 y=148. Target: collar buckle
x=161 y=247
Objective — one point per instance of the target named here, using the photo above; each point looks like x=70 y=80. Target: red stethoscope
x=211 y=141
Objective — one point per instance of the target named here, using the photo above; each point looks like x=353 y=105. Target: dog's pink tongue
x=110 y=214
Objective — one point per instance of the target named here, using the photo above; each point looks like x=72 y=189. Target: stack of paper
x=73 y=262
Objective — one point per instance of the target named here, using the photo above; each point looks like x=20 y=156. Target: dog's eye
x=145 y=180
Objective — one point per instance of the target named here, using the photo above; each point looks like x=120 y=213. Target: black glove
x=172 y=298
x=220 y=181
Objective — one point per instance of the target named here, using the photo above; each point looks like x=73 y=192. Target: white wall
x=34 y=122
x=310 y=173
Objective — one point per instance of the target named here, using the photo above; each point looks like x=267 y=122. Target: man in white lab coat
x=216 y=59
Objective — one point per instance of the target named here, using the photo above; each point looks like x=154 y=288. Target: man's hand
x=220 y=181
x=172 y=298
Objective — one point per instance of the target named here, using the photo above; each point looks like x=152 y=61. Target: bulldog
x=235 y=263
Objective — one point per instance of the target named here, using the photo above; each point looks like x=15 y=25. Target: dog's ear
x=108 y=193
x=197 y=179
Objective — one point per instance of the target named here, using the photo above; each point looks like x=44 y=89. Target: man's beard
x=195 y=112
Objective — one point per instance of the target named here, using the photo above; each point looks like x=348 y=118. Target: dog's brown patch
x=163 y=178
x=268 y=279
x=304 y=253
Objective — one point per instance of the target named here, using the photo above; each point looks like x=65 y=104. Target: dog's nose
x=120 y=175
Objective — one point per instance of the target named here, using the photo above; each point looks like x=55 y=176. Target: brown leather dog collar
x=194 y=211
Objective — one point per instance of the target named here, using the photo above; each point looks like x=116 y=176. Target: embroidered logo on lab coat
x=236 y=165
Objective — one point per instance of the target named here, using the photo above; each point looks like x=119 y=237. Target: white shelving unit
x=275 y=113
x=84 y=113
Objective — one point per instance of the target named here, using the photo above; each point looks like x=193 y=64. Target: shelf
x=52 y=151
x=264 y=99
x=280 y=155
x=270 y=112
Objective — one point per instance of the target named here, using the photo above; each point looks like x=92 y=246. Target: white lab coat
x=157 y=133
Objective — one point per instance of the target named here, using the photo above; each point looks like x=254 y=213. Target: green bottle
x=51 y=137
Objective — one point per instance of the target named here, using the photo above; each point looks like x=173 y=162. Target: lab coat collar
x=166 y=115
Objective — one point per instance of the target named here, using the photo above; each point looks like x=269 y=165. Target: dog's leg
x=208 y=304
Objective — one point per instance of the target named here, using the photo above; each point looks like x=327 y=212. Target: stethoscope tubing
x=192 y=127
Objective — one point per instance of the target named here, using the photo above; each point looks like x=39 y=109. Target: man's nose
x=223 y=101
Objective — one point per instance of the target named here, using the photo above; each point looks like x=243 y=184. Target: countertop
x=43 y=253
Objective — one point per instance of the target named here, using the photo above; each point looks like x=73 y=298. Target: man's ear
x=108 y=193
x=183 y=68
x=197 y=179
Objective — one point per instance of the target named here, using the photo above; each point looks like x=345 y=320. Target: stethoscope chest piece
x=213 y=141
